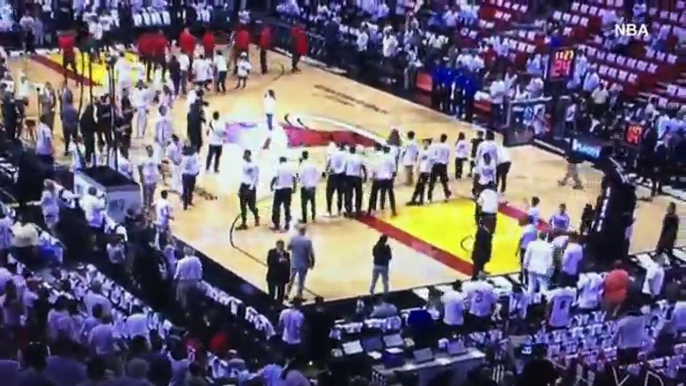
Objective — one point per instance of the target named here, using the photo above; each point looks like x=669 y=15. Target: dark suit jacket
x=277 y=270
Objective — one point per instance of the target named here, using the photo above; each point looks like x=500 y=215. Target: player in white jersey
x=162 y=134
x=163 y=214
x=49 y=205
x=174 y=154
x=409 y=157
x=244 y=68
x=122 y=72
x=425 y=164
x=590 y=287
x=560 y=302
x=482 y=300
x=149 y=177
x=141 y=103
x=247 y=192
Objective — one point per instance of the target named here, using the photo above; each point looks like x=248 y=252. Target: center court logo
x=295 y=133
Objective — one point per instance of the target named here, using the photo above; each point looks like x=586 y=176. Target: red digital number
x=634 y=134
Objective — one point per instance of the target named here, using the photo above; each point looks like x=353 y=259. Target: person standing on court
x=355 y=175
x=440 y=153
x=282 y=185
x=476 y=141
x=44 y=143
x=335 y=181
x=482 y=249
x=461 y=155
x=560 y=221
x=278 y=271
x=247 y=192
x=409 y=156
x=425 y=164
x=386 y=176
x=208 y=43
x=298 y=46
x=382 y=258
x=669 y=232
x=241 y=46
x=220 y=65
x=309 y=178
x=190 y=167
x=502 y=168
x=302 y=260
x=149 y=173
x=484 y=177
x=265 y=45
x=487 y=209
x=269 y=108
x=66 y=43
x=216 y=131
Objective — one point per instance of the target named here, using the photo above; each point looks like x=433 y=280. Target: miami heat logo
x=292 y=133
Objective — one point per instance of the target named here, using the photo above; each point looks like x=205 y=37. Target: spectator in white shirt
x=497 y=92
x=291 y=322
x=454 y=307
x=188 y=275
x=654 y=279
x=571 y=260
x=600 y=97
x=630 y=336
x=482 y=300
x=538 y=264
x=95 y=297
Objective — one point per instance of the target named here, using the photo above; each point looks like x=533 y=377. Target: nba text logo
x=631 y=30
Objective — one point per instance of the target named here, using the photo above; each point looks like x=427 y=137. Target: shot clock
x=562 y=64
x=633 y=134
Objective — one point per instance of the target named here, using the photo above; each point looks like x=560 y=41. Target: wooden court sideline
x=328 y=103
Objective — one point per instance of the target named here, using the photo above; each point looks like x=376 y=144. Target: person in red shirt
x=241 y=45
x=160 y=51
x=208 y=44
x=265 y=44
x=187 y=44
x=299 y=46
x=146 y=46
x=66 y=44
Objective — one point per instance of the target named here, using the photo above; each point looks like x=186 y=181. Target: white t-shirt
x=149 y=171
x=453 y=306
x=291 y=320
x=656 y=274
x=482 y=297
x=488 y=201
x=163 y=213
x=285 y=174
x=590 y=285
x=269 y=105
x=561 y=301
x=220 y=63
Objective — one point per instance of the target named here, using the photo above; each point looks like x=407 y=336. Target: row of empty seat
x=572 y=19
x=508 y=5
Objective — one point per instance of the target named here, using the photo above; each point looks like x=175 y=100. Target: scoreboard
x=561 y=66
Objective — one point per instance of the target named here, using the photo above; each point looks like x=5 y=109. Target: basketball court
x=431 y=244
